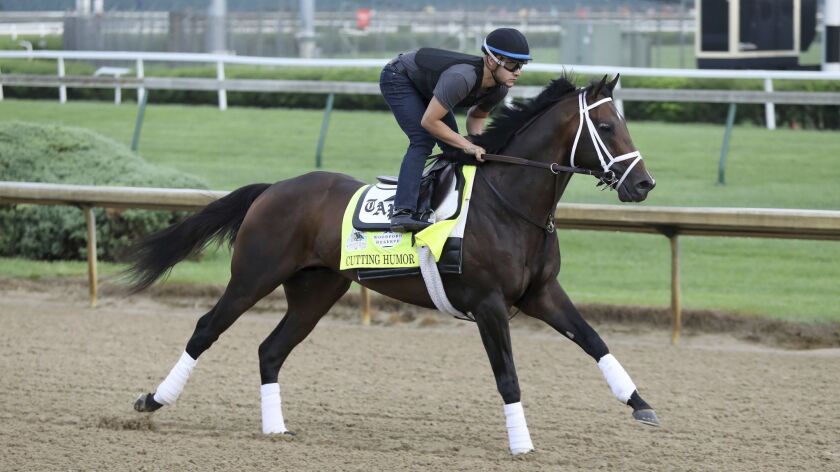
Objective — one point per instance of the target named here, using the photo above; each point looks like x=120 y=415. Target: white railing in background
x=668 y=221
x=138 y=59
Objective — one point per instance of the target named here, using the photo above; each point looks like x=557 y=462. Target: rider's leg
x=408 y=107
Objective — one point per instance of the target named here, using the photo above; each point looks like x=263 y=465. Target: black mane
x=506 y=121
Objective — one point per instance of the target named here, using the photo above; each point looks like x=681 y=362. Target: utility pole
x=306 y=36
x=216 y=22
x=82 y=7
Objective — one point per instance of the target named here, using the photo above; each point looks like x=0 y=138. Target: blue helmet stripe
x=524 y=57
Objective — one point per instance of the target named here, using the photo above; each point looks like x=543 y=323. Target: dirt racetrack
x=393 y=396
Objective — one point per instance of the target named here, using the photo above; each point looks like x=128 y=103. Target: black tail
x=156 y=254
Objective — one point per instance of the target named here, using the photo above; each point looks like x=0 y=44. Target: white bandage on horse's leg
x=272 y=413
x=172 y=386
x=618 y=379
x=518 y=435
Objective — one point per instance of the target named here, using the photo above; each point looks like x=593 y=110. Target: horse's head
x=602 y=142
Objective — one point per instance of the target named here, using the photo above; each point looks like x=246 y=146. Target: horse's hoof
x=146 y=403
x=646 y=416
x=521 y=451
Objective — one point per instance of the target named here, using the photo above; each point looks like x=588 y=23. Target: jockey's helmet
x=507 y=42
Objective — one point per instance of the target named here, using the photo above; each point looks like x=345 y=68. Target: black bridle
x=607 y=178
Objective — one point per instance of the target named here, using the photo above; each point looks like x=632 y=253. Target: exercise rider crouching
x=422 y=88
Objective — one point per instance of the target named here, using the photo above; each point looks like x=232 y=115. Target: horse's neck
x=529 y=188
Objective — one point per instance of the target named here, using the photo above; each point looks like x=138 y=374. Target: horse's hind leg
x=249 y=283
x=310 y=294
x=551 y=304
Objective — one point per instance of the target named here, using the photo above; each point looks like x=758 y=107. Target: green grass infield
x=790 y=279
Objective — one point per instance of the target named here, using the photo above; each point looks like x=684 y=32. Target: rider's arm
x=432 y=122
x=475 y=120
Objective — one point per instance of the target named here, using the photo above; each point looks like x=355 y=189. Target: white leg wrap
x=272 y=413
x=518 y=435
x=620 y=383
x=172 y=386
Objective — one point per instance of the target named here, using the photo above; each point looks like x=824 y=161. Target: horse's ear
x=596 y=90
x=613 y=82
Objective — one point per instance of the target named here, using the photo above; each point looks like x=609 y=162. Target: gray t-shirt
x=455 y=84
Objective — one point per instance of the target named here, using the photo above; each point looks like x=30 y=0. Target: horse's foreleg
x=495 y=334
x=551 y=304
x=310 y=294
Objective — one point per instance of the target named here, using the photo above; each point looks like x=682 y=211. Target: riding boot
x=403 y=220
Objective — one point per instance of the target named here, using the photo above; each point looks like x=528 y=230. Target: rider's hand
x=476 y=151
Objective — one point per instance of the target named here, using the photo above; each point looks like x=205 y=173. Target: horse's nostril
x=646 y=185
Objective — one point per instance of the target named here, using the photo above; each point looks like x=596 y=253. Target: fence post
x=138 y=123
x=220 y=76
x=769 y=107
x=365 y=306
x=676 y=295
x=1 y=88
x=724 y=149
x=117 y=91
x=141 y=91
x=62 y=89
x=90 y=223
x=324 y=125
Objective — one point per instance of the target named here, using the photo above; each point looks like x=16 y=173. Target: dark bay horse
x=289 y=233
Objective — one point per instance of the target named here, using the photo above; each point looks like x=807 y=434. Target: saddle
x=369 y=246
x=439 y=198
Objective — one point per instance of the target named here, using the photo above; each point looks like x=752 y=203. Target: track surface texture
x=411 y=393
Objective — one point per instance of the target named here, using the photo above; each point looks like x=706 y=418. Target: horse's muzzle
x=636 y=190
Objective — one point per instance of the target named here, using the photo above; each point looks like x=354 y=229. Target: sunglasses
x=510 y=66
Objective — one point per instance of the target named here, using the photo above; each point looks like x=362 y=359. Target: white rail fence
x=221 y=85
x=668 y=221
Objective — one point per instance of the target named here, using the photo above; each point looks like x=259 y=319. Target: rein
x=555 y=168
x=607 y=177
x=548 y=227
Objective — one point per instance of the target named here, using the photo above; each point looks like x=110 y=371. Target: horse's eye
x=605 y=127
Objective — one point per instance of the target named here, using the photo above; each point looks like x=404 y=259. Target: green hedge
x=49 y=42
x=36 y=153
x=808 y=116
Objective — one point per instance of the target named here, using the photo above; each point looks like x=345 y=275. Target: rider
x=422 y=88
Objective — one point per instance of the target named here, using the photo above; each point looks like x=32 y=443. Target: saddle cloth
x=367 y=244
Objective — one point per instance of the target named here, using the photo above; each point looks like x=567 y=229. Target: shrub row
x=36 y=153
